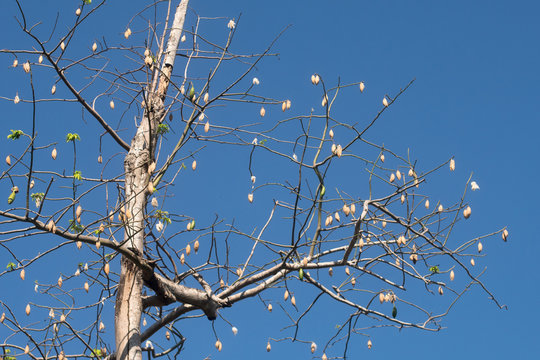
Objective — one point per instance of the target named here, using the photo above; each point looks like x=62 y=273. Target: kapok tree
x=146 y=254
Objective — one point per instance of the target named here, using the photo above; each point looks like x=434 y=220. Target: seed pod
x=293 y=300
x=353 y=281
x=392 y=177
x=505 y=235
x=182 y=259
x=369 y=344
x=62 y=318
x=411 y=172
x=26 y=67
x=196 y=246
x=183 y=38
x=262 y=112
x=60 y=281
x=480 y=246
x=111 y=104
x=381 y=298
x=313 y=347
x=16 y=99
x=151 y=167
x=270 y=307
x=382 y=157
x=346 y=210
x=188 y=249
x=452 y=165
x=2 y=318
x=78 y=212
x=441 y=209
x=168 y=335
x=218 y=345
x=79 y=244
x=268 y=347
x=467 y=212
x=362 y=86
x=385 y=101
x=26 y=349
x=101 y=326
x=313 y=79
x=402 y=198
x=206 y=97
x=15 y=63
x=331 y=134
x=62 y=46
x=148 y=61
x=250 y=197
x=353 y=208
x=398 y=174
x=255 y=81
x=330 y=271
x=221 y=283
x=194 y=165
x=201 y=117
x=324 y=357
x=347 y=271
x=53 y=89
x=328 y=221
x=333 y=148
x=472 y=262
x=336 y=216
x=286 y=295
x=452 y=275
x=86 y=286
x=427 y=204
x=8 y=160
x=78 y=12
x=54 y=153
x=206 y=127
x=111 y=216
x=384 y=224
x=94 y=46
x=106 y=269
x=127 y=33
x=441 y=290
x=288 y=102
x=50 y=225
x=324 y=100
x=22 y=274
x=78 y=272
x=284 y=106
x=27 y=310
x=339 y=151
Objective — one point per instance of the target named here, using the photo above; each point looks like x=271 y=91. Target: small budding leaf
x=77 y=175
x=434 y=269
x=15 y=134
x=72 y=137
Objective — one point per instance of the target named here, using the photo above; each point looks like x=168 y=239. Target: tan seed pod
x=32 y=183
x=221 y=283
x=353 y=208
x=194 y=165
x=22 y=274
x=144 y=322
x=78 y=12
x=207 y=127
x=324 y=100
x=472 y=262
x=86 y=286
x=268 y=347
x=347 y=271
x=79 y=244
x=402 y=198
x=382 y=157
x=336 y=216
x=15 y=63
x=480 y=246
x=333 y=148
x=269 y=307
x=106 y=269
x=339 y=150
x=168 y=335
x=346 y=210
x=111 y=216
x=262 y=112
x=362 y=86
x=288 y=104
x=182 y=259
x=100 y=159
x=62 y=46
x=196 y=246
x=16 y=99
x=54 y=153
x=28 y=309
x=94 y=46
x=111 y=104
x=384 y=224
x=127 y=33
x=219 y=345
x=452 y=165
x=324 y=357
x=505 y=235
x=353 y=281
x=78 y=212
x=304 y=262
x=441 y=290
x=467 y=212
x=60 y=281
x=151 y=167
x=206 y=97
x=411 y=172
x=250 y=197
x=62 y=318
x=2 y=318
x=385 y=102
x=150 y=187
x=381 y=298
x=286 y=295
x=452 y=275
x=331 y=134
x=369 y=344
x=188 y=249
x=101 y=326
x=26 y=349
x=26 y=67
x=53 y=89
x=317 y=79
x=183 y=38
x=330 y=271
x=50 y=225
x=293 y=300
x=441 y=208
x=154 y=202
x=284 y=106
x=148 y=61
x=201 y=117
x=392 y=177
x=427 y=204
x=313 y=347
x=313 y=79
x=398 y=174
x=8 y=160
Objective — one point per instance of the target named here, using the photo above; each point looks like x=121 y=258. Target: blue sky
x=475 y=98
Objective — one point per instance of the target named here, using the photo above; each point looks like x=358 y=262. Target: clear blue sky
x=475 y=97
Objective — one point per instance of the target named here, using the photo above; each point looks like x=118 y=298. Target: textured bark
x=129 y=305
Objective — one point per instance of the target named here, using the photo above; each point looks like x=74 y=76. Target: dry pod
x=111 y=104
x=60 y=281
x=196 y=246
x=15 y=63
x=182 y=259
x=22 y=274
x=353 y=208
x=100 y=159
x=472 y=262
x=339 y=150
x=206 y=97
x=324 y=357
x=330 y=271
x=218 y=345
x=62 y=46
x=324 y=100
x=440 y=208
x=313 y=347
x=270 y=307
x=288 y=104
x=398 y=174
x=168 y=335
x=16 y=99
x=250 y=197
x=26 y=67
x=467 y=212
x=441 y=290
x=101 y=326
x=54 y=153
x=362 y=86
x=384 y=224
x=452 y=165
x=347 y=271
x=86 y=287
x=194 y=165
x=331 y=134
x=452 y=275
x=480 y=246
x=127 y=33
x=79 y=244
x=94 y=46
x=8 y=160
x=2 y=318
x=346 y=210
x=369 y=344
x=382 y=158
x=26 y=349
x=381 y=298
x=268 y=347
x=188 y=249
x=427 y=204
x=505 y=235
x=385 y=101
x=392 y=177
x=402 y=198
x=336 y=216
x=53 y=89
x=78 y=12
x=106 y=269
x=284 y=106
x=262 y=112
x=293 y=300
x=286 y=295
x=27 y=310
x=207 y=127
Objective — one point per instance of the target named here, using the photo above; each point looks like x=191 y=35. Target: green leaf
x=72 y=137
x=15 y=134
x=10 y=267
x=434 y=269
x=162 y=129
x=87 y=2
x=77 y=175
